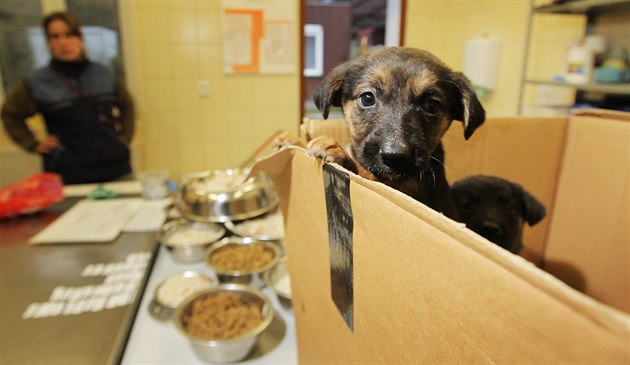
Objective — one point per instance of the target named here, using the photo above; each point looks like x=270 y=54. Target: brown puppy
x=398 y=103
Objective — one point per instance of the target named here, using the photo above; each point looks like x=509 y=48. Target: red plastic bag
x=30 y=195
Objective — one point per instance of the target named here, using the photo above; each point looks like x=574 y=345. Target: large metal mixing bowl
x=221 y=195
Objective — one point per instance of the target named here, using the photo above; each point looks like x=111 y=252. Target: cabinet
x=556 y=25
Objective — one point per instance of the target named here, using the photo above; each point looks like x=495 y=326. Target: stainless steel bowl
x=187 y=240
x=173 y=290
x=233 y=274
x=278 y=281
x=267 y=227
x=220 y=195
x=235 y=348
x=171 y=212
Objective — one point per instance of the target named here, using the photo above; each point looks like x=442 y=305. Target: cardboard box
x=379 y=277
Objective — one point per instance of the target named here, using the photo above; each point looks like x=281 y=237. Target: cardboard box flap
x=335 y=128
x=602 y=113
x=420 y=287
x=589 y=239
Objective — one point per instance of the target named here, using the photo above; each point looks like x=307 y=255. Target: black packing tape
x=340 y=225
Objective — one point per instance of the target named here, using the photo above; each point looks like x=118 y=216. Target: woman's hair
x=66 y=17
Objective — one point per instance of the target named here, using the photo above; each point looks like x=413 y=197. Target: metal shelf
x=612 y=89
x=578 y=6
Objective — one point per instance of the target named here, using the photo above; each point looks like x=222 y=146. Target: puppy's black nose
x=490 y=229
x=395 y=154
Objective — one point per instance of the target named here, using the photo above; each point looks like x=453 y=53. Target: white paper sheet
x=120 y=187
x=90 y=221
x=149 y=217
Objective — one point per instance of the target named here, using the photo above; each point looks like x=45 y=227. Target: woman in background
x=88 y=112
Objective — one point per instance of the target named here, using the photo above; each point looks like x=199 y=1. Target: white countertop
x=154 y=342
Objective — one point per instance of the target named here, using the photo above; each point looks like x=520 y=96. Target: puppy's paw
x=326 y=148
x=329 y=150
x=286 y=139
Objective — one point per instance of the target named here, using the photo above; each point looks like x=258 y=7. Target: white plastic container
x=579 y=65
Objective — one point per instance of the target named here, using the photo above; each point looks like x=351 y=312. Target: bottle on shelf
x=579 y=64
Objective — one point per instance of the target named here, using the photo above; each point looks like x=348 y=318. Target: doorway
x=338 y=30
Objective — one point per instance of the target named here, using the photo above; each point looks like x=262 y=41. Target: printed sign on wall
x=258 y=37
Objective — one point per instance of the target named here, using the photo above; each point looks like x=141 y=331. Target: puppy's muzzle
x=489 y=228
x=396 y=155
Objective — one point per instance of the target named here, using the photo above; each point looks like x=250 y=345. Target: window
x=314 y=50
x=99 y=22
x=23 y=45
x=16 y=59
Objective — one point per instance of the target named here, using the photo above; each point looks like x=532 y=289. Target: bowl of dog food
x=188 y=240
x=267 y=227
x=224 y=323
x=173 y=290
x=278 y=281
x=221 y=195
x=242 y=260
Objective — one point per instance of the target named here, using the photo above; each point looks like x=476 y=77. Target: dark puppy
x=398 y=103
x=496 y=209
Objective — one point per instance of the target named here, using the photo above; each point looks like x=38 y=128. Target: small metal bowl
x=238 y=252
x=173 y=290
x=171 y=212
x=231 y=349
x=221 y=195
x=278 y=281
x=267 y=227
x=186 y=240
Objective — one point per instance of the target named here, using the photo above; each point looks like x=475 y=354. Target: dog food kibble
x=222 y=316
x=241 y=257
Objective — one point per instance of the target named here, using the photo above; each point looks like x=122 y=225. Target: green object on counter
x=101 y=193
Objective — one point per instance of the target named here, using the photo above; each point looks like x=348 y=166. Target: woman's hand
x=47 y=145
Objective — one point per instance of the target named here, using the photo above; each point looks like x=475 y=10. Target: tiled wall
x=443 y=27
x=171 y=45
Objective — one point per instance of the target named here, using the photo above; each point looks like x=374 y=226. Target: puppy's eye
x=510 y=206
x=367 y=99
x=465 y=204
x=431 y=106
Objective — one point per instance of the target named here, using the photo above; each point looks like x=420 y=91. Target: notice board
x=259 y=37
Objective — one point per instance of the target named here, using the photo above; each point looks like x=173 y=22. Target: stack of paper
x=103 y=220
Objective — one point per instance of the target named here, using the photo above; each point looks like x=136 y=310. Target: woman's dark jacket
x=94 y=122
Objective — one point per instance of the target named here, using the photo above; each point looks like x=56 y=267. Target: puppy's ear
x=472 y=113
x=534 y=211
x=328 y=92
